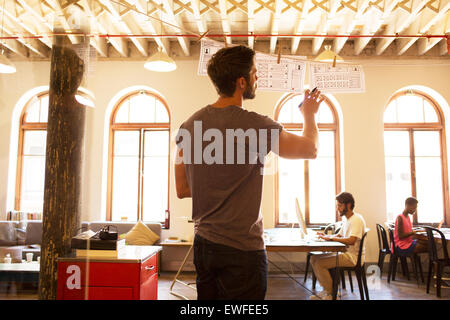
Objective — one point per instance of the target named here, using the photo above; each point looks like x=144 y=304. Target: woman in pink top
x=403 y=233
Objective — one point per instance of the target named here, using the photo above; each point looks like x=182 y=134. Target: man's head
x=233 y=68
x=344 y=202
x=411 y=205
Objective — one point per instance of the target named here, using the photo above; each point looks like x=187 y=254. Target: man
x=226 y=186
x=404 y=234
x=351 y=233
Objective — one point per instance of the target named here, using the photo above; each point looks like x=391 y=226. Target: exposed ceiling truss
x=29 y=24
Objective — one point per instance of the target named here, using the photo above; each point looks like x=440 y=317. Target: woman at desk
x=351 y=234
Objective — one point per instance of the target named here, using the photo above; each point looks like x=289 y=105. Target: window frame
x=334 y=127
x=23 y=127
x=142 y=127
x=425 y=126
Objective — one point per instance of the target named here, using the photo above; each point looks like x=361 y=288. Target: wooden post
x=64 y=162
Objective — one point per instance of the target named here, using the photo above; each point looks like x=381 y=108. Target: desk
x=288 y=240
x=445 y=231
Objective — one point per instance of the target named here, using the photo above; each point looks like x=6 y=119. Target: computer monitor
x=300 y=218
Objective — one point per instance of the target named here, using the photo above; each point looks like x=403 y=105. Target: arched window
x=29 y=195
x=138 y=180
x=415 y=155
x=315 y=183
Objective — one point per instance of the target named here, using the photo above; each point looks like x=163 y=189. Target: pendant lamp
x=5 y=65
x=160 y=62
x=328 y=56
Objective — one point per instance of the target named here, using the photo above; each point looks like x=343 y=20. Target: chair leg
x=394 y=268
x=430 y=274
x=314 y=280
x=405 y=267
x=335 y=276
x=358 y=277
x=350 y=279
x=438 y=279
x=381 y=263
x=413 y=262
x=391 y=267
x=308 y=257
x=343 y=279
x=364 y=278
x=419 y=264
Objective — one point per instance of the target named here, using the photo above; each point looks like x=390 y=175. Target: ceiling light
x=160 y=62
x=6 y=66
x=328 y=56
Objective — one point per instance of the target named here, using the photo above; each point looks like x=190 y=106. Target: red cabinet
x=131 y=276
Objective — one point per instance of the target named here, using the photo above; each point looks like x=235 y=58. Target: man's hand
x=324 y=237
x=311 y=103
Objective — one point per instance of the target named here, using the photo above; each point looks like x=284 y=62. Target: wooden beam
x=118 y=20
x=425 y=44
x=98 y=43
x=300 y=25
x=201 y=25
x=61 y=218
x=224 y=19
x=275 y=25
x=401 y=22
x=251 y=6
x=184 y=42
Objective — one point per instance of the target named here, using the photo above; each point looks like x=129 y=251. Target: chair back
x=432 y=248
x=391 y=238
x=334 y=227
x=361 y=247
x=337 y=227
x=383 y=243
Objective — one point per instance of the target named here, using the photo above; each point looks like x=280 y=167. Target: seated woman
x=404 y=234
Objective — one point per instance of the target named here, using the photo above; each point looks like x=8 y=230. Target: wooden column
x=64 y=163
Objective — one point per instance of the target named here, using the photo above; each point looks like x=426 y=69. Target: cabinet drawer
x=149 y=289
x=149 y=267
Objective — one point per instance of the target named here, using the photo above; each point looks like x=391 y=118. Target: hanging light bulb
x=160 y=62
x=328 y=56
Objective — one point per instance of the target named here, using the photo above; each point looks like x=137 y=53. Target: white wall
x=185 y=92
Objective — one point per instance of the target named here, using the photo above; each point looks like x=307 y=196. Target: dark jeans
x=227 y=273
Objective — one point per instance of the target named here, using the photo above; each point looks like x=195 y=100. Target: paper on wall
x=344 y=78
x=286 y=76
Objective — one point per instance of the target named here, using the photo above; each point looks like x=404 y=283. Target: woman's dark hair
x=229 y=64
x=346 y=197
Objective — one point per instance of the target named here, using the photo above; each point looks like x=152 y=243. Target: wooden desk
x=288 y=240
x=446 y=231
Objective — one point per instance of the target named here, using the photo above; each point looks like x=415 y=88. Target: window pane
x=326 y=144
x=44 y=109
x=125 y=188
x=126 y=143
x=290 y=113
x=155 y=188
x=324 y=114
x=430 y=113
x=33 y=176
x=156 y=143
x=291 y=185
x=142 y=109
x=396 y=143
x=429 y=189
x=427 y=143
x=123 y=112
x=322 y=191
x=33 y=110
x=410 y=109
x=35 y=142
x=398 y=185
x=161 y=113
x=390 y=114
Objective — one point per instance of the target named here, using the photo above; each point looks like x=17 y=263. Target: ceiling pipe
x=443 y=36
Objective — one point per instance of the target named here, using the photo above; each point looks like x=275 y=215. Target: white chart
x=286 y=76
x=341 y=79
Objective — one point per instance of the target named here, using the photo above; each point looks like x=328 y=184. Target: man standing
x=404 y=234
x=351 y=233
x=220 y=161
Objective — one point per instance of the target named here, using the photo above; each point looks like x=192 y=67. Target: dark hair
x=346 y=197
x=229 y=64
x=411 y=200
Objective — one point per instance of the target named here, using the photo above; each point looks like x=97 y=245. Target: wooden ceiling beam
x=184 y=43
x=275 y=25
x=295 y=42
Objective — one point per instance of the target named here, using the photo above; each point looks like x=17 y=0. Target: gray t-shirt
x=223 y=151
